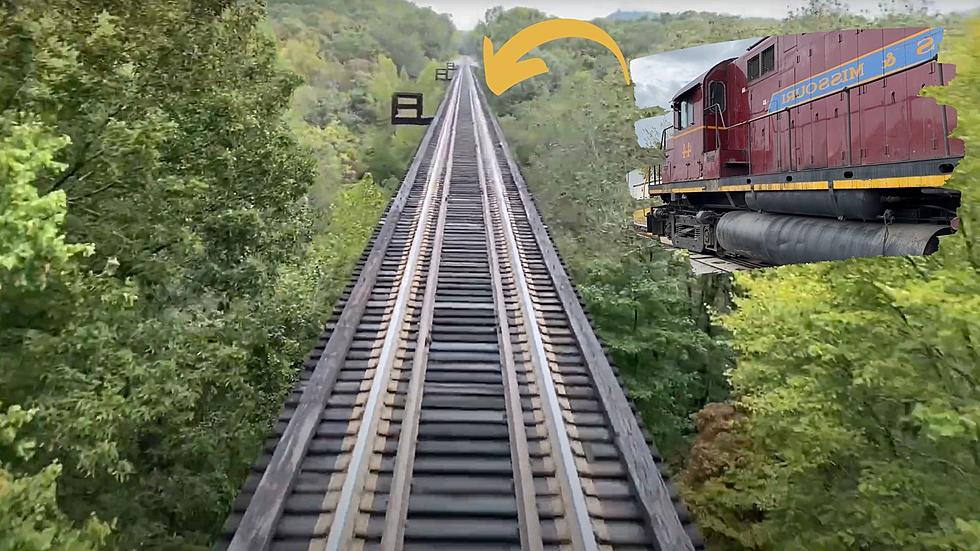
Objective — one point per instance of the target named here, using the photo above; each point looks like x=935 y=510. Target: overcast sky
x=466 y=13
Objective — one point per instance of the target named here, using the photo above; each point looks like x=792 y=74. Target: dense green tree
x=33 y=258
x=352 y=57
x=640 y=306
x=143 y=318
x=29 y=512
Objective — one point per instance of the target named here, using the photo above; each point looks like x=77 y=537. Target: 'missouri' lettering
x=807 y=89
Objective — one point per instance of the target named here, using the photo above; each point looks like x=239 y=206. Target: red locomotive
x=812 y=147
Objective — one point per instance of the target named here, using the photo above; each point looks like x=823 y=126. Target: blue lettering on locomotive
x=906 y=53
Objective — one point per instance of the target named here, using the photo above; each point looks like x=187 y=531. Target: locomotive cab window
x=683 y=114
x=681 y=119
x=716 y=96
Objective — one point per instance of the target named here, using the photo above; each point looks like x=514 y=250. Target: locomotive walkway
x=460 y=398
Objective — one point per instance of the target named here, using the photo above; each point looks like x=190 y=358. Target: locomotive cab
x=709 y=136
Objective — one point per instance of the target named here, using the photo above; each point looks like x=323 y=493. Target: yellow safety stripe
x=937 y=180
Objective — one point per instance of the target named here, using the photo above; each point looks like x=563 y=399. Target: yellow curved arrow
x=504 y=68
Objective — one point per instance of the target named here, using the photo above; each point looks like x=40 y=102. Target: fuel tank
x=781 y=239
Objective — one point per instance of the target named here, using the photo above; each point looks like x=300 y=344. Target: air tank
x=781 y=239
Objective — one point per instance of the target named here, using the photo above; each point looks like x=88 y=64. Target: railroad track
x=459 y=399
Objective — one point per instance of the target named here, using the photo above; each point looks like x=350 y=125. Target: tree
x=28 y=503
x=33 y=256
x=152 y=197
x=641 y=308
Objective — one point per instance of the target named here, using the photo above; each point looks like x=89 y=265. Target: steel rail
x=583 y=534
x=530 y=523
x=392 y=538
x=349 y=501
x=648 y=484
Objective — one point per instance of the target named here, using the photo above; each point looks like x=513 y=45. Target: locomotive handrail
x=663 y=137
x=721 y=114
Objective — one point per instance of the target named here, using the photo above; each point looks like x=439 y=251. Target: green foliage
x=397 y=29
x=31 y=245
x=149 y=358
x=352 y=218
x=353 y=57
x=29 y=511
x=33 y=252
x=859 y=385
x=642 y=310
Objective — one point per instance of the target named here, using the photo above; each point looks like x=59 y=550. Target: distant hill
x=620 y=15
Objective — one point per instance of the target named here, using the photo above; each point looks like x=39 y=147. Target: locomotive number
x=924 y=45
x=890 y=60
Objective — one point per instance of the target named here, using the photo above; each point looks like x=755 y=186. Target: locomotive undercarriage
x=786 y=227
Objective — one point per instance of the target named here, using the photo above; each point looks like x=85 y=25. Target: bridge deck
x=460 y=399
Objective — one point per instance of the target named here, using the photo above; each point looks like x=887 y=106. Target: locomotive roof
x=699 y=79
